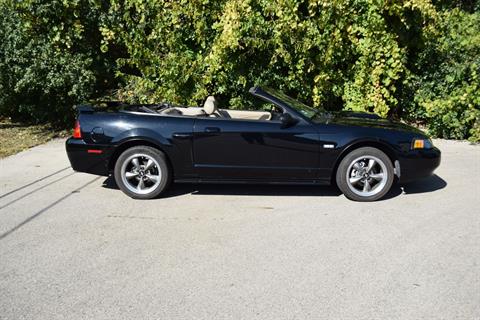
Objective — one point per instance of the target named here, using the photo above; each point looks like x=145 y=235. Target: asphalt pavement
x=72 y=246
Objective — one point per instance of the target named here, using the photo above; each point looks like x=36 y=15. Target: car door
x=254 y=149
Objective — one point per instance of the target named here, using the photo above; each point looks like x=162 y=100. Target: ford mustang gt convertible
x=282 y=141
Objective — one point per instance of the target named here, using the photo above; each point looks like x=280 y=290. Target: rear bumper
x=87 y=157
x=418 y=164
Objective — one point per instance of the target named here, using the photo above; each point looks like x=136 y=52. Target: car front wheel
x=142 y=172
x=365 y=174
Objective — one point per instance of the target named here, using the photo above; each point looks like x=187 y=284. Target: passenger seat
x=210 y=107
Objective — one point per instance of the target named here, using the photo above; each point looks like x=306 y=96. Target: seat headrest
x=210 y=105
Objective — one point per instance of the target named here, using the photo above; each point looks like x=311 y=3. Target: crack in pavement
x=38 y=213
x=33 y=182
x=35 y=190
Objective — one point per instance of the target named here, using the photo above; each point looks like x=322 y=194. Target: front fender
x=378 y=143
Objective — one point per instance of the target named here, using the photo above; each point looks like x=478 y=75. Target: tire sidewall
x=154 y=153
x=341 y=176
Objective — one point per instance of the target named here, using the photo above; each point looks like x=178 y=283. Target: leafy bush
x=49 y=59
x=416 y=60
x=334 y=54
x=448 y=94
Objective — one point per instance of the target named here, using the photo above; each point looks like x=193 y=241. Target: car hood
x=369 y=120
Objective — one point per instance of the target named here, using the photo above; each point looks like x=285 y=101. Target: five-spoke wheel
x=365 y=174
x=142 y=172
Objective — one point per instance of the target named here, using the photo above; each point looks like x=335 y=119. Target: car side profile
x=146 y=147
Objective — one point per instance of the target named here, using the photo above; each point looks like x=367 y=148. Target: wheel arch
x=134 y=143
x=382 y=146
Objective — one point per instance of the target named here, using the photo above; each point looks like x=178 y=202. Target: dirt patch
x=16 y=137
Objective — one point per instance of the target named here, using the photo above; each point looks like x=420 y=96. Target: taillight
x=77 y=133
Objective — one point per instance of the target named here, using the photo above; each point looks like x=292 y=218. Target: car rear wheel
x=365 y=174
x=142 y=172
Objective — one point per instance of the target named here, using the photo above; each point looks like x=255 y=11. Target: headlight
x=422 y=144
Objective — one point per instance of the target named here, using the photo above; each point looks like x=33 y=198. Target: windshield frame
x=299 y=107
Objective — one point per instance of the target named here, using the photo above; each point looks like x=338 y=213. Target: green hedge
x=50 y=59
x=447 y=95
x=416 y=60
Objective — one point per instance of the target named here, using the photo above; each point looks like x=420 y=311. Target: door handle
x=212 y=129
x=180 y=135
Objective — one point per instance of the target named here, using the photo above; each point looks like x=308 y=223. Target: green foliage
x=49 y=59
x=412 y=59
x=448 y=94
x=331 y=54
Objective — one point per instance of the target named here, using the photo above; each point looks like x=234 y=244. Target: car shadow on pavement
x=429 y=184
x=254 y=190
x=178 y=189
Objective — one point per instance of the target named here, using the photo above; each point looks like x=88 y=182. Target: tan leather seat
x=210 y=109
x=210 y=106
x=246 y=115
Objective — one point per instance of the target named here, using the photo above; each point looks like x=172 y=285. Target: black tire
x=159 y=169
x=352 y=167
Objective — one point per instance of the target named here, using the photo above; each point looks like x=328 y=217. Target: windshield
x=302 y=108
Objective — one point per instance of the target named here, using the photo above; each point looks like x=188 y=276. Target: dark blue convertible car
x=146 y=147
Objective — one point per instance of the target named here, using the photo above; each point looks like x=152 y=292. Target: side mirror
x=287 y=121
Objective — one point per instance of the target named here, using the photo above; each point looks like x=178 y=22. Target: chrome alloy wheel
x=141 y=173
x=367 y=176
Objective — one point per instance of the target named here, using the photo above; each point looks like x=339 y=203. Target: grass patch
x=16 y=137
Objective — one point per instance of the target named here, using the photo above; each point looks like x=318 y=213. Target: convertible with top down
x=283 y=141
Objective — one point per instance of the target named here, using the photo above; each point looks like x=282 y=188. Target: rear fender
x=142 y=134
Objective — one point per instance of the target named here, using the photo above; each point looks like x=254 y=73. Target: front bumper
x=418 y=164
x=88 y=158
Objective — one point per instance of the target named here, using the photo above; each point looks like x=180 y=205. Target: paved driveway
x=74 y=247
